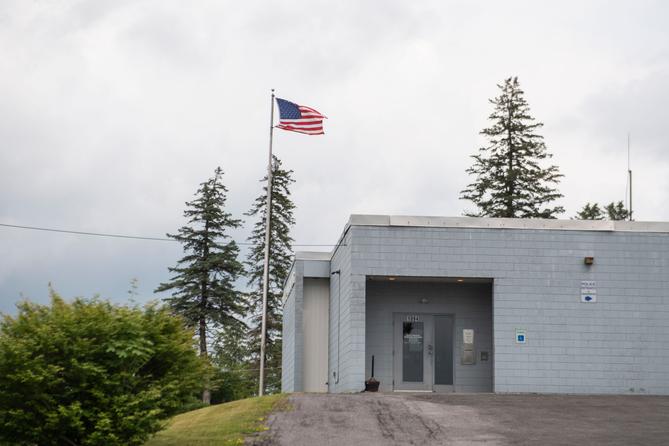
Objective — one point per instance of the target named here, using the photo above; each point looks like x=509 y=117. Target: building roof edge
x=506 y=223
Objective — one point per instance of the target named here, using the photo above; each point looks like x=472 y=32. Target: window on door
x=412 y=351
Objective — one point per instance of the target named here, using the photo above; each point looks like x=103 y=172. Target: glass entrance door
x=423 y=352
x=413 y=351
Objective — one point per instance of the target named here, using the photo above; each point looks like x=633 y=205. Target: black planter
x=372 y=385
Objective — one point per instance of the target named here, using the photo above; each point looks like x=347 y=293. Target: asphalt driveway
x=469 y=419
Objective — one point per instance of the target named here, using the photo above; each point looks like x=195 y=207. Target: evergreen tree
x=590 y=212
x=280 y=255
x=509 y=179
x=133 y=291
x=235 y=376
x=202 y=286
x=617 y=211
x=614 y=211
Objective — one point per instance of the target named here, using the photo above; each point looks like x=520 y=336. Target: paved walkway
x=469 y=419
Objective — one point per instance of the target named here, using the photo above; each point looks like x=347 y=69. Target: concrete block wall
x=347 y=323
x=288 y=344
x=618 y=345
x=292 y=348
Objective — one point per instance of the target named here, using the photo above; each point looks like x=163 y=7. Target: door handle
x=429 y=349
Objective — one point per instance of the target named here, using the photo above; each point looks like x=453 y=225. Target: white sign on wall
x=588 y=291
x=467 y=336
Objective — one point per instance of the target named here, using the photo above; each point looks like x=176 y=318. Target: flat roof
x=507 y=223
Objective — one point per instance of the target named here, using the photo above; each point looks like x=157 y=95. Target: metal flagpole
x=629 y=172
x=265 y=281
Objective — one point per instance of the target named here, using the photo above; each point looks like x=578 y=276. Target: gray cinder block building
x=481 y=305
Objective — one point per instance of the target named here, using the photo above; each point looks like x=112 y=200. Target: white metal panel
x=317 y=269
x=316 y=307
x=312 y=255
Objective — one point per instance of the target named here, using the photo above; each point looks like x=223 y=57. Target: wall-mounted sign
x=412 y=318
x=521 y=336
x=588 y=291
x=468 y=354
x=467 y=336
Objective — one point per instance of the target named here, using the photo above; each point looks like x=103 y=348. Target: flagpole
x=265 y=281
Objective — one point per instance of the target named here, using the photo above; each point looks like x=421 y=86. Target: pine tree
x=202 y=286
x=617 y=211
x=280 y=255
x=590 y=212
x=235 y=375
x=509 y=179
x=614 y=211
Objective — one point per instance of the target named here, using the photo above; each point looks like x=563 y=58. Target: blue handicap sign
x=521 y=338
x=588 y=298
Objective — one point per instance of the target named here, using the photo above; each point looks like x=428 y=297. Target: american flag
x=298 y=118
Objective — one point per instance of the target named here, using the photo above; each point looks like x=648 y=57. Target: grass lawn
x=222 y=424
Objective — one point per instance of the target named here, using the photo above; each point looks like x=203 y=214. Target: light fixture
x=460 y=280
x=424 y=300
x=391 y=278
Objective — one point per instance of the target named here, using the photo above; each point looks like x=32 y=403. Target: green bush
x=93 y=373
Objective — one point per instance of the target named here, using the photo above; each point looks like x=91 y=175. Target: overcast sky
x=113 y=111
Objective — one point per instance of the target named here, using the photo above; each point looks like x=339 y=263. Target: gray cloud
x=114 y=111
x=636 y=107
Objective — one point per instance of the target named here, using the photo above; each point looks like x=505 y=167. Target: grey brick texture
x=620 y=344
x=292 y=347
